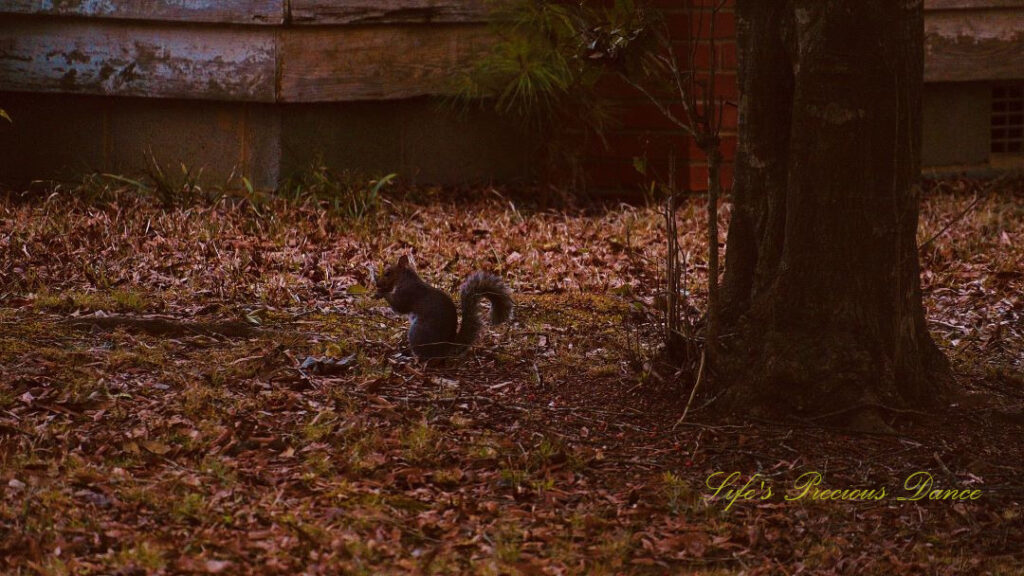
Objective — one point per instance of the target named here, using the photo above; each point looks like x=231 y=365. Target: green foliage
x=119 y=300
x=536 y=71
x=173 y=188
x=169 y=188
x=348 y=194
x=531 y=70
x=628 y=39
x=549 y=57
x=546 y=65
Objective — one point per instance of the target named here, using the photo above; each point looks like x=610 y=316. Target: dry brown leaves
x=548 y=450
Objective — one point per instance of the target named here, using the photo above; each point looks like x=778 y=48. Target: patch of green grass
x=318 y=465
x=508 y=544
x=447 y=477
x=363 y=455
x=200 y=400
x=138 y=495
x=320 y=427
x=514 y=478
x=7 y=398
x=604 y=370
x=679 y=495
x=614 y=550
x=484 y=451
x=364 y=555
x=129 y=301
x=542 y=485
x=189 y=508
x=347 y=194
x=421 y=442
x=54 y=566
x=120 y=300
x=145 y=555
x=219 y=469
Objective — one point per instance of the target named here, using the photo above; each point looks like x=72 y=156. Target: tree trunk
x=821 y=286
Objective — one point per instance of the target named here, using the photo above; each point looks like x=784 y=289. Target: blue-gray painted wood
x=325 y=12
x=251 y=63
x=126 y=59
x=974 y=45
x=214 y=11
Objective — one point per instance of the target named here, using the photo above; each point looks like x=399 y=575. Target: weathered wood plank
x=373 y=62
x=386 y=11
x=118 y=58
x=216 y=11
x=965 y=46
x=971 y=4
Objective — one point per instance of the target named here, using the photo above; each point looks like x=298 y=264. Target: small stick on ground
x=700 y=373
x=167 y=326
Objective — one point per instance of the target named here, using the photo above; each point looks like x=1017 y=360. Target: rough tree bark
x=821 y=289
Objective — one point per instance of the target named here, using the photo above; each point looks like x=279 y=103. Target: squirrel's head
x=389 y=277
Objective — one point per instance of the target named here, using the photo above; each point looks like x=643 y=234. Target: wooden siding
x=372 y=62
x=299 y=12
x=212 y=11
x=344 y=50
x=974 y=45
x=390 y=11
x=107 y=57
x=259 y=64
x=971 y=4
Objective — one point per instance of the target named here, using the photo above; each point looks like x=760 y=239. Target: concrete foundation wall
x=63 y=136
x=955 y=126
x=261 y=87
x=421 y=139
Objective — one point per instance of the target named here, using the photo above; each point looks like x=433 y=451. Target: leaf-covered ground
x=154 y=417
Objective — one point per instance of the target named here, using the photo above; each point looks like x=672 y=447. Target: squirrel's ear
x=403 y=262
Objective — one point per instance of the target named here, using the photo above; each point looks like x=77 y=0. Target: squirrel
x=434 y=331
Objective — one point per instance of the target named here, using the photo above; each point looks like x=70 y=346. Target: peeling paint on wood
x=971 y=4
x=373 y=62
x=980 y=45
x=88 y=57
x=218 y=11
x=386 y=11
x=258 y=64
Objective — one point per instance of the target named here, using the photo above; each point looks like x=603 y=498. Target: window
x=1008 y=119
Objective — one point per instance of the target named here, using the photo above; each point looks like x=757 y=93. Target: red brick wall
x=644 y=132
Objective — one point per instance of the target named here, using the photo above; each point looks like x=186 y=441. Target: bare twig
x=700 y=373
x=950 y=224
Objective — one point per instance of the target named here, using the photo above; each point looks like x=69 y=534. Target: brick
x=626 y=146
x=622 y=175
x=728 y=149
x=698 y=181
x=693 y=56
x=725 y=84
x=729 y=55
x=727 y=5
x=678 y=24
x=618 y=174
x=724 y=60
x=646 y=116
x=664 y=4
x=725 y=25
x=730 y=116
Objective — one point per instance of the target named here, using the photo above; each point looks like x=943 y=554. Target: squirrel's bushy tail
x=482 y=285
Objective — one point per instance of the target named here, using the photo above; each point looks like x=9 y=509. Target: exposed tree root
x=163 y=326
